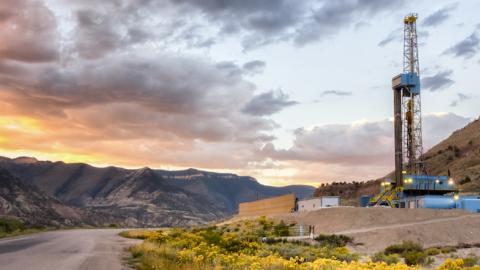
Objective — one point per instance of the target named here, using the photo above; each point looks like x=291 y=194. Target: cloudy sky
x=286 y=91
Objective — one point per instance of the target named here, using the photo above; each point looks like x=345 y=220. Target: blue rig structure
x=412 y=186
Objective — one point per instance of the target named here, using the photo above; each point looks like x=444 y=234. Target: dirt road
x=70 y=249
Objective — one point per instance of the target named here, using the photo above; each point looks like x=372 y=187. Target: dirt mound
x=377 y=228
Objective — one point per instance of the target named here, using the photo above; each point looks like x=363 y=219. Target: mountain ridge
x=145 y=196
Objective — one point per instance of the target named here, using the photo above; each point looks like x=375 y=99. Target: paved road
x=85 y=249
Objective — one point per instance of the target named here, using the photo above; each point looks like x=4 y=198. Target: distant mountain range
x=459 y=154
x=143 y=197
x=27 y=202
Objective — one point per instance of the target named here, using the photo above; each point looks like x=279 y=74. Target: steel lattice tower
x=411 y=102
x=407 y=107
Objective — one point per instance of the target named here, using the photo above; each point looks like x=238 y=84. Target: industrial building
x=286 y=204
x=412 y=186
x=318 y=203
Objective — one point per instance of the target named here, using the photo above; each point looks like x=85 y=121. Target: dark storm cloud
x=113 y=71
x=302 y=22
x=28 y=31
x=181 y=96
x=336 y=93
x=254 y=67
x=439 y=81
x=466 y=48
x=460 y=98
x=96 y=34
x=439 y=16
x=268 y=103
x=107 y=26
x=330 y=17
x=261 y=16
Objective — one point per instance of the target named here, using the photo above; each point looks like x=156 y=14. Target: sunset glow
x=290 y=100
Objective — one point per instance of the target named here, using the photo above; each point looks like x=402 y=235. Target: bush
x=211 y=236
x=265 y=223
x=415 y=257
x=388 y=259
x=470 y=261
x=333 y=240
x=403 y=248
x=446 y=250
x=11 y=225
x=433 y=251
x=281 y=229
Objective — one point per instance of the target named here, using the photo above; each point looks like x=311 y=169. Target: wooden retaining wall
x=275 y=205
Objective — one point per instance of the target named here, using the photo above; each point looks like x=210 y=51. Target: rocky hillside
x=28 y=203
x=459 y=154
x=350 y=192
x=146 y=197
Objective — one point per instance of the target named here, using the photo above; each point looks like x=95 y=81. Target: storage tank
x=436 y=202
x=469 y=203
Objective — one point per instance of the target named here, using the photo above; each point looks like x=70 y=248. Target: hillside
x=34 y=207
x=459 y=153
x=146 y=197
x=349 y=192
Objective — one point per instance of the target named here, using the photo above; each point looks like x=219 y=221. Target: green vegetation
x=404 y=247
x=333 y=240
x=13 y=227
x=470 y=261
x=388 y=259
x=415 y=257
x=281 y=229
x=433 y=251
x=251 y=244
x=413 y=253
x=260 y=244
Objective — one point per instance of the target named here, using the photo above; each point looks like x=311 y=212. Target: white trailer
x=318 y=203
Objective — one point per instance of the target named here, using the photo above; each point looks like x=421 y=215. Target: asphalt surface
x=85 y=249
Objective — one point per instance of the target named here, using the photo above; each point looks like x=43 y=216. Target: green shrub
x=388 y=259
x=289 y=250
x=413 y=257
x=265 y=223
x=343 y=255
x=445 y=250
x=403 y=248
x=333 y=240
x=11 y=225
x=433 y=251
x=281 y=229
x=470 y=261
x=211 y=236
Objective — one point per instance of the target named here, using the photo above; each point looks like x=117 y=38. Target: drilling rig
x=411 y=180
